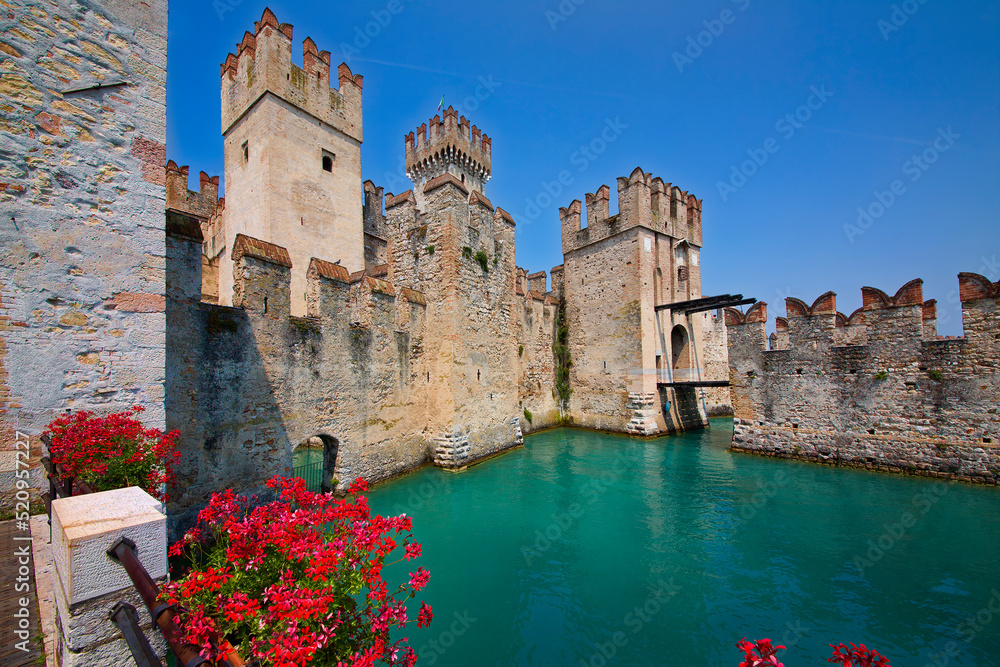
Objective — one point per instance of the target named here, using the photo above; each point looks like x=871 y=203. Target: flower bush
x=758 y=653
x=113 y=452
x=296 y=581
x=761 y=653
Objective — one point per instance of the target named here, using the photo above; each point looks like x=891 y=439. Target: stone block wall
x=82 y=193
x=458 y=250
x=206 y=208
x=536 y=320
x=250 y=383
x=715 y=357
x=877 y=389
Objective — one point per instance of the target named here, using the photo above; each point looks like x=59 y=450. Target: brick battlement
x=203 y=204
x=263 y=284
x=263 y=64
x=449 y=146
x=643 y=201
x=906 y=313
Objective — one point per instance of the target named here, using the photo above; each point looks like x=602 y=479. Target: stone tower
x=448 y=146
x=292 y=155
x=636 y=361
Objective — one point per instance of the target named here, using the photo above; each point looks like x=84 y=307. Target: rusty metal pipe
x=124 y=552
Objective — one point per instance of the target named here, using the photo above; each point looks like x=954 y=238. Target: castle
x=392 y=329
x=309 y=306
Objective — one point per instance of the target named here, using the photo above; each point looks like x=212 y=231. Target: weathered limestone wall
x=536 y=321
x=206 y=208
x=715 y=353
x=82 y=135
x=898 y=400
x=471 y=354
x=248 y=384
x=280 y=122
x=603 y=312
x=376 y=232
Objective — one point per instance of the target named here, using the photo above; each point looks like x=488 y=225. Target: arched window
x=327 y=163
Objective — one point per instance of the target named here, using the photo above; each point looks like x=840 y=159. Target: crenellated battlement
x=447 y=226
x=263 y=64
x=904 y=320
x=643 y=201
x=449 y=145
x=334 y=295
x=203 y=204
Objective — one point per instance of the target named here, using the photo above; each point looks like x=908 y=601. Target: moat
x=591 y=549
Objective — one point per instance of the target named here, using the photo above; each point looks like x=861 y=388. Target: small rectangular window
x=328 y=161
x=246 y=152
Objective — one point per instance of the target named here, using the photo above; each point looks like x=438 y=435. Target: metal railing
x=59 y=486
x=311 y=474
x=123 y=551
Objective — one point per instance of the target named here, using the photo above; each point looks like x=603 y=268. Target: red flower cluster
x=113 y=452
x=758 y=653
x=761 y=653
x=857 y=656
x=296 y=581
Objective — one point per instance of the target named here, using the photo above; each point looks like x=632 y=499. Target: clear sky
x=786 y=117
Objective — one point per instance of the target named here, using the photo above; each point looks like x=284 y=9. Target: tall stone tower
x=292 y=155
x=448 y=146
x=449 y=243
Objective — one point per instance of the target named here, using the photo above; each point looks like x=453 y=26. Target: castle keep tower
x=639 y=360
x=448 y=146
x=292 y=154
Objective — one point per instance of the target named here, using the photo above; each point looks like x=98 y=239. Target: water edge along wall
x=877 y=390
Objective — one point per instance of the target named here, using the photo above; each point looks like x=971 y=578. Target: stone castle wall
x=536 y=315
x=417 y=338
x=82 y=137
x=459 y=251
x=248 y=384
x=878 y=389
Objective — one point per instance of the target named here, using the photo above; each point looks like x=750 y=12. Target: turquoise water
x=590 y=549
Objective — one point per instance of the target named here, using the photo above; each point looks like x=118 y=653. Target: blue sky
x=822 y=109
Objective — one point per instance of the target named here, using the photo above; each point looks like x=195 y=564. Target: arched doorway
x=680 y=346
x=315 y=462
